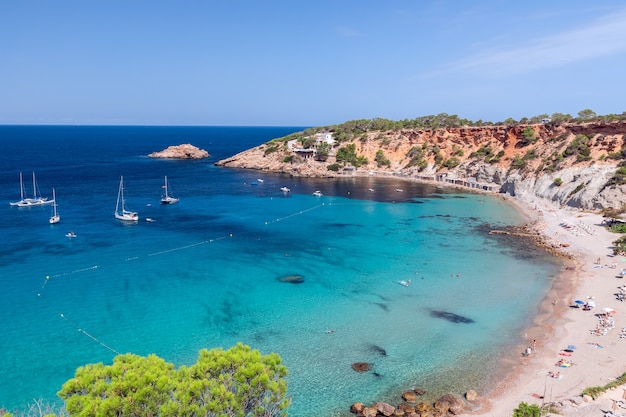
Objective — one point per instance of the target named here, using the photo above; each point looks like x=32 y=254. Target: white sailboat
x=120 y=210
x=168 y=199
x=36 y=200
x=55 y=218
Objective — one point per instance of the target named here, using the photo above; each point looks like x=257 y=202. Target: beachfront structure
x=324 y=137
x=296 y=147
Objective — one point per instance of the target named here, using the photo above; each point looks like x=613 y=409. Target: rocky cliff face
x=572 y=164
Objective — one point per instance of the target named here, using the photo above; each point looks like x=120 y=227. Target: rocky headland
x=572 y=164
x=184 y=151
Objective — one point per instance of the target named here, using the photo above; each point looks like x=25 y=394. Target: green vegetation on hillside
x=352 y=129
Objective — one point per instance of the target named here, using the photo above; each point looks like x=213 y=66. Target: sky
x=307 y=63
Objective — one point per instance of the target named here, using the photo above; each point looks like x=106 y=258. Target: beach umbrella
x=580 y=302
x=591 y=303
x=572 y=347
x=608 y=310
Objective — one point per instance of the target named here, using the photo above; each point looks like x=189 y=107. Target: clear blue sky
x=307 y=63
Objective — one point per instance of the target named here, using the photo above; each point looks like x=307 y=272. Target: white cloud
x=603 y=37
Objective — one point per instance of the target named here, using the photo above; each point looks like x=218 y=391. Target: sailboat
x=55 y=218
x=120 y=210
x=36 y=200
x=168 y=199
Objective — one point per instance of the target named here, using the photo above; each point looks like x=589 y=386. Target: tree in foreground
x=237 y=382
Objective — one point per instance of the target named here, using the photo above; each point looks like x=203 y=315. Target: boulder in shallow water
x=361 y=366
x=471 y=395
x=357 y=408
x=292 y=279
x=409 y=397
x=385 y=409
x=449 y=403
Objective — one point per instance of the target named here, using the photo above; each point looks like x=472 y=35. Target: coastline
x=558 y=325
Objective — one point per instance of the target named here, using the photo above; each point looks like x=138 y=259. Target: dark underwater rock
x=292 y=279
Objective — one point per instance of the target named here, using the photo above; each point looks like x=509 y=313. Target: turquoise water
x=206 y=273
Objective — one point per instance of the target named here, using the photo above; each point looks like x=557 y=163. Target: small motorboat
x=259 y=180
x=149 y=219
x=70 y=234
x=399 y=190
x=318 y=193
x=285 y=189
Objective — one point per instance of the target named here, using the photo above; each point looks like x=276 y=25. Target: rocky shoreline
x=444 y=406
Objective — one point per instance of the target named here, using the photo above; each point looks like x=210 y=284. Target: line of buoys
x=84 y=332
x=133 y=258
x=294 y=214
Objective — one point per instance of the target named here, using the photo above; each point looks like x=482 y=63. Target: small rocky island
x=184 y=151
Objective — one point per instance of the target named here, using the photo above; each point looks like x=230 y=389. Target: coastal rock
x=405 y=408
x=449 y=403
x=384 y=408
x=184 y=151
x=471 y=395
x=423 y=407
x=292 y=279
x=369 y=412
x=409 y=396
x=361 y=366
x=357 y=408
x=419 y=391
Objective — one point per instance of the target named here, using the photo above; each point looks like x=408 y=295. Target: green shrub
x=528 y=136
x=619 y=177
x=288 y=159
x=518 y=163
x=558 y=182
x=579 y=147
x=451 y=162
x=483 y=152
x=333 y=167
x=416 y=157
x=619 y=381
x=381 y=159
x=618 y=228
x=527 y=410
x=577 y=189
x=529 y=155
x=270 y=149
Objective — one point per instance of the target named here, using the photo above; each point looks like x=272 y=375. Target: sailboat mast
x=21 y=188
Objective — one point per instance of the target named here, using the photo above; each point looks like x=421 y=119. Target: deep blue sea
x=207 y=271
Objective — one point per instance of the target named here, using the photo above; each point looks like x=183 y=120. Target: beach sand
x=559 y=325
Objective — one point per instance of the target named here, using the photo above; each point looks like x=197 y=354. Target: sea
x=315 y=279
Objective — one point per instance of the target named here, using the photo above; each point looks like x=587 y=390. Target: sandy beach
x=593 y=275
